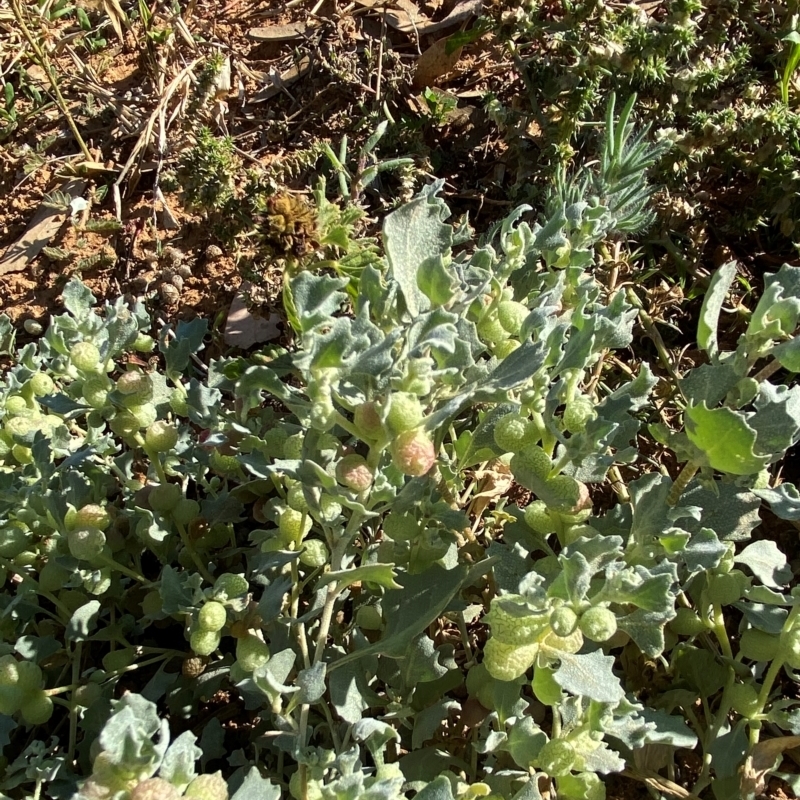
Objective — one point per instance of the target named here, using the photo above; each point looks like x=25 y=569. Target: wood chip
x=45 y=224
x=280 y=33
x=244 y=329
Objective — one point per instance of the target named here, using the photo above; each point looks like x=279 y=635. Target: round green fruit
x=204 y=643
x=557 y=757
x=314 y=553
x=161 y=436
x=86 y=544
x=598 y=623
x=164 y=497
x=42 y=384
x=413 y=453
x=228 y=586
x=85 y=357
x=251 y=653
x=563 y=621
x=37 y=708
x=212 y=616
x=405 y=412
x=353 y=472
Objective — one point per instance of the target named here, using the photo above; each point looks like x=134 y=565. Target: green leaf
x=438 y=282
x=482 y=446
x=415 y=238
x=646 y=628
x=271 y=677
x=545 y=687
x=712 y=305
x=83 y=622
x=187 y=341
x=668 y=729
x=179 y=591
x=427 y=721
x=212 y=741
x=701 y=669
x=526 y=738
x=725 y=439
x=178 y=764
x=724 y=507
x=380 y=574
x=784 y=501
x=410 y=609
x=766 y=562
x=584 y=786
x=349 y=692
x=440 y=788
x=317 y=298
x=709 y=383
x=254 y=787
x=589 y=675
x=777 y=419
x=704 y=551
x=312 y=683
x=788 y=353
x=78 y=299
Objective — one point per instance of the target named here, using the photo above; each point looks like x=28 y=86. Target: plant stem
x=187 y=543
x=682 y=481
x=768 y=371
x=720 y=632
x=44 y=62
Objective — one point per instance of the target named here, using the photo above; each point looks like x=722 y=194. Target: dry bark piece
x=45 y=224
x=280 y=33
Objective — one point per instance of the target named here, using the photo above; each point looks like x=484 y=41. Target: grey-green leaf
x=590 y=675
x=712 y=305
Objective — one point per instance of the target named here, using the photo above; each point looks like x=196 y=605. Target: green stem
x=720 y=632
x=682 y=481
x=187 y=543
x=110 y=562
x=334 y=589
x=73 y=706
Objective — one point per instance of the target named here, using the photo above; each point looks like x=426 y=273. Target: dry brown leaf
x=434 y=63
x=44 y=225
x=408 y=18
x=116 y=16
x=287 y=78
x=493 y=482
x=243 y=329
x=761 y=760
x=280 y=33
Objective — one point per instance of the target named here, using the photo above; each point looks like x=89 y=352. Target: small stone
x=184 y=270
x=213 y=252
x=169 y=294
x=177 y=282
x=32 y=327
x=172 y=256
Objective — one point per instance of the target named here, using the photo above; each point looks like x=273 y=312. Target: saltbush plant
x=296 y=541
